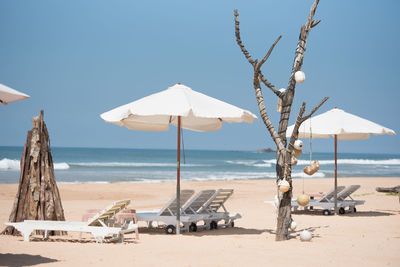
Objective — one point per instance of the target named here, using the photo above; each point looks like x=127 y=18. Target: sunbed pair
x=327 y=200
x=203 y=207
x=97 y=225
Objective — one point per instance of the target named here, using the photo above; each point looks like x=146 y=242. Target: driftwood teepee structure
x=37 y=197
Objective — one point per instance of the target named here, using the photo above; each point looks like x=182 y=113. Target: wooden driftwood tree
x=37 y=197
x=284 y=149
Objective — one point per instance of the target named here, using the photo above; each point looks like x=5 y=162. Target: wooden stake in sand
x=37 y=197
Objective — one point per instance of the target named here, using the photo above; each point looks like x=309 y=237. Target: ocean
x=106 y=165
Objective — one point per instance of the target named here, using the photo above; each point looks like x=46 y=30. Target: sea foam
x=14 y=165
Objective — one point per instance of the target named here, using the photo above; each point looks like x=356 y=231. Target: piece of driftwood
x=37 y=197
x=284 y=150
x=395 y=189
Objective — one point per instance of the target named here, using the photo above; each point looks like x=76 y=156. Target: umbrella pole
x=336 y=174
x=178 y=180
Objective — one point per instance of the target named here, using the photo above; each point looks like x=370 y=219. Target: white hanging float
x=299 y=76
x=303 y=199
x=298 y=148
x=283 y=186
x=298 y=144
x=293 y=161
x=293 y=225
x=305 y=236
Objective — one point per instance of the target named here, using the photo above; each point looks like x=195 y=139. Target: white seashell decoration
x=283 y=186
x=299 y=76
x=293 y=161
x=305 y=235
x=298 y=144
x=293 y=225
x=296 y=153
x=276 y=202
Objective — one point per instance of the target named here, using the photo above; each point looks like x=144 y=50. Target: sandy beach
x=369 y=237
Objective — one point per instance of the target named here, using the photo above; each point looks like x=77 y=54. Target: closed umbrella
x=182 y=107
x=340 y=125
x=8 y=95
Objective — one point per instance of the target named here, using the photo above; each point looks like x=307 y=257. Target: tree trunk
x=284 y=150
x=37 y=197
x=283 y=170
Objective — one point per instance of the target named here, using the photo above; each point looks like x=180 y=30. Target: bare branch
x=239 y=40
x=268 y=53
x=300 y=119
x=264 y=115
x=315 y=23
x=268 y=84
x=311 y=15
x=296 y=127
x=301 y=46
x=258 y=67
x=315 y=109
x=287 y=99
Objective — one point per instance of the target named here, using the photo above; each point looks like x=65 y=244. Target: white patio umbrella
x=340 y=125
x=8 y=95
x=182 y=107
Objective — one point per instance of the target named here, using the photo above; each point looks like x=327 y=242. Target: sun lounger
x=345 y=196
x=97 y=225
x=168 y=213
x=197 y=201
x=321 y=202
x=202 y=207
x=122 y=217
x=327 y=201
x=210 y=210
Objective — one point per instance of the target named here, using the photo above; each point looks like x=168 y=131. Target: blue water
x=101 y=165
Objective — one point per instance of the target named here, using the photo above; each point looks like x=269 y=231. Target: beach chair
x=97 y=225
x=198 y=201
x=325 y=198
x=327 y=201
x=168 y=213
x=210 y=210
x=345 y=194
x=120 y=218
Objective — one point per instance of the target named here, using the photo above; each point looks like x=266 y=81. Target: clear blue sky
x=78 y=59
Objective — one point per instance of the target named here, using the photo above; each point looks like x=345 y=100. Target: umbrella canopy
x=182 y=107
x=156 y=112
x=338 y=122
x=340 y=125
x=8 y=95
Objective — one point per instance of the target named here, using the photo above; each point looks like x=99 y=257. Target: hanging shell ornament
x=293 y=161
x=303 y=199
x=284 y=186
x=293 y=225
x=296 y=153
x=312 y=168
x=299 y=76
x=279 y=106
x=298 y=144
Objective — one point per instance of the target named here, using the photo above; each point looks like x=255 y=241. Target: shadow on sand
x=14 y=260
x=296 y=234
x=127 y=240
x=205 y=232
x=376 y=213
